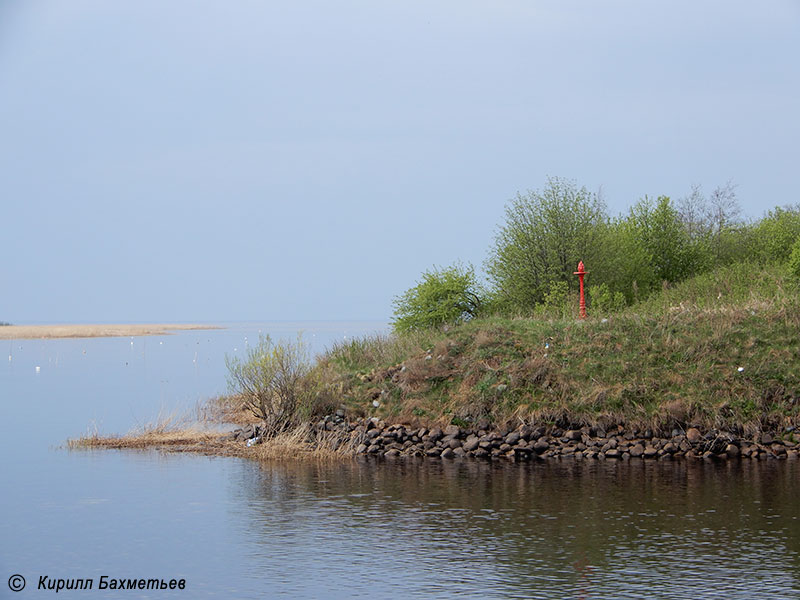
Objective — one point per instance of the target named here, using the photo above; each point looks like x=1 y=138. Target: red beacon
x=580 y=273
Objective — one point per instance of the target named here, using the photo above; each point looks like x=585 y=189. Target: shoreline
x=334 y=438
x=32 y=332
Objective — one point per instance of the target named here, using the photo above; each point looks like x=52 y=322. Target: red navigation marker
x=580 y=273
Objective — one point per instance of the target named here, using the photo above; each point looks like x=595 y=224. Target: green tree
x=656 y=228
x=794 y=259
x=775 y=235
x=544 y=236
x=443 y=296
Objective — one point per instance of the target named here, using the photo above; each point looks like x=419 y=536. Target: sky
x=197 y=161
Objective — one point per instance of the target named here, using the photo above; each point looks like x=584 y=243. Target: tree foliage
x=545 y=234
x=443 y=296
x=775 y=235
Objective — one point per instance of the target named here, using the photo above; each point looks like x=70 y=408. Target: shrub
x=794 y=259
x=269 y=380
x=775 y=235
x=656 y=226
x=545 y=234
x=444 y=296
x=604 y=301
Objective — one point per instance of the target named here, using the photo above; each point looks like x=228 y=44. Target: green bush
x=794 y=259
x=443 y=296
x=657 y=229
x=545 y=234
x=269 y=380
x=604 y=301
x=775 y=235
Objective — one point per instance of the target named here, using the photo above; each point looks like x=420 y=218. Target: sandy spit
x=30 y=332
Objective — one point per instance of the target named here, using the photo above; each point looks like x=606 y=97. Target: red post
x=580 y=273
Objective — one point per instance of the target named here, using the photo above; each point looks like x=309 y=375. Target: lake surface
x=362 y=529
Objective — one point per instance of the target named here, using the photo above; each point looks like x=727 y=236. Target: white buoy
x=38 y=369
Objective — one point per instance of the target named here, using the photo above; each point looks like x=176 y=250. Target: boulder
x=540 y=446
x=471 y=443
x=693 y=435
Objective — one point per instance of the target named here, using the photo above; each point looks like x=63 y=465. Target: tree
x=544 y=236
x=657 y=229
x=443 y=296
x=775 y=235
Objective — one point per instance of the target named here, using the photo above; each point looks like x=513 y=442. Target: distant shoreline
x=31 y=332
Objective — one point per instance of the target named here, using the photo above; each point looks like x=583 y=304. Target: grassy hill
x=719 y=350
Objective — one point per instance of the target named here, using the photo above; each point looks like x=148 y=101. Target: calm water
x=368 y=529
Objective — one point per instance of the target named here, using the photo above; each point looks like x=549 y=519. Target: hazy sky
x=256 y=160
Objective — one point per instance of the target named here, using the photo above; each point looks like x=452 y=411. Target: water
x=361 y=529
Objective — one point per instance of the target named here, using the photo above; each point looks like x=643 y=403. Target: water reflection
x=571 y=529
x=367 y=529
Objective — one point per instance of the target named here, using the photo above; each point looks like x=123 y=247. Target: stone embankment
x=530 y=442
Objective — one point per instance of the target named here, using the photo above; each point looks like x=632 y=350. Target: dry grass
x=225 y=409
x=172 y=434
x=303 y=442
x=166 y=432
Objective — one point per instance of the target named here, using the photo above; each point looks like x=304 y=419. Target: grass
x=674 y=359
x=201 y=434
x=167 y=431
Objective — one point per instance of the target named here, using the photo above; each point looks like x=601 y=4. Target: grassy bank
x=721 y=350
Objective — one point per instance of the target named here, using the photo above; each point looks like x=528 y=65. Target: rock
x=650 y=452
x=540 y=446
x=504 y=448
x=471 y=443
x=447 y=453
x=340 y=413
x=392 y=452
x=573 y=435
x=778 y=449
x=512 y=438
x=435 y=435
x=637 y=450
x=480 y=453
x=612 y=453
x=767 y=439
x=791 y=454
x=361 y=449
x=458 y=453
x=433 y=452
x=732 y=450
x=670 y=448
x=525 y=432
x=454 y=443
x=452 y=430
x=483 y=424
